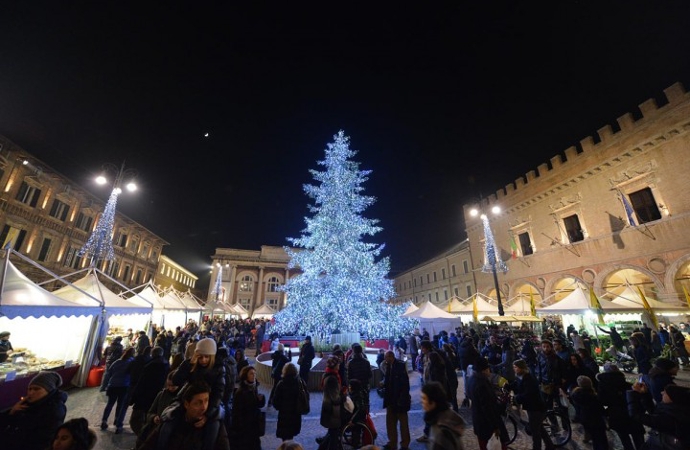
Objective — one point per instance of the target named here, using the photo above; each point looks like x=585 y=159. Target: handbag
x=262 y=423
x=302 y=398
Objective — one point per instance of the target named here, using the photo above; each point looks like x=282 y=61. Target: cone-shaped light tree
x=344 y=283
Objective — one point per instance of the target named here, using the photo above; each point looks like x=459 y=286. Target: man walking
x=306 y=356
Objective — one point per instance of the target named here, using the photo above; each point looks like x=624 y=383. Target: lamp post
x=100 y=243
x=492 y=259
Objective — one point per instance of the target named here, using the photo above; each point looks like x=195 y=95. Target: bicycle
x=556 y=423
x=354 y=430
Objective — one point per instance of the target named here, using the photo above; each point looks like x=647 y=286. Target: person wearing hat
x=306 y=356
x=526 y=390
x=202 y=368
x=74 y=435
x=5 y=346
x=486 y=415
x=32 y=422
x=113 y=352
x=590 y=412
x=670 y=418
x=611 y=388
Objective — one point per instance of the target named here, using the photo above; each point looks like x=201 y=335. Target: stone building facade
x=48 y=218
x=172 y=274
x=439 y=279
x=251 y=278
x=612 y=212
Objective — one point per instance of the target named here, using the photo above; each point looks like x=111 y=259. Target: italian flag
x=513 y=247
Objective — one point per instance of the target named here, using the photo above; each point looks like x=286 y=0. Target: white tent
x=435 y=319
x=214 y=308
x=168 y=311
x=410 y=309
x=263 y=311
x=483 y=306
x=520 y=306
x=454 y=305
x=577 y=302
x=239 y=310
x=90 y=284
x=48 y=326
x=629 y=297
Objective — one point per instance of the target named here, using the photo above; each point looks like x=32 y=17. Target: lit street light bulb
x=131 y=187
x=101 y=179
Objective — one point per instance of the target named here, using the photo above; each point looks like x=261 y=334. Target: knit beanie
x=206 y=347
x=49 y=381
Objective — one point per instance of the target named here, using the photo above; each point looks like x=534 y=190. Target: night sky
x=443 y=103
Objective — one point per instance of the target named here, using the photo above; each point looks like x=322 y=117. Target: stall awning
x=511 y=319
x=263 y=311
x=88 y=287
x=21 y=297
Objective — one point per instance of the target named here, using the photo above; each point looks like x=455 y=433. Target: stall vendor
x=5 y=346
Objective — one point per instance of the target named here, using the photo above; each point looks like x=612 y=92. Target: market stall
x=192 y=307
x=435 y=319
x=168 y=311
x=263 y=312
x=47 y=333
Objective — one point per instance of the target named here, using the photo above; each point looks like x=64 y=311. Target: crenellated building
x=612 y=212
x=48 y=218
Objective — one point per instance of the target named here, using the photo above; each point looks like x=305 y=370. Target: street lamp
x=492 y=259
x=100 y=243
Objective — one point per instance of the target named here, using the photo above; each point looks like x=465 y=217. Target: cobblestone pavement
x=89 y=403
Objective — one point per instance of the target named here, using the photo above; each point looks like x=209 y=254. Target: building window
x=415 y=282
x=59 y=210
x=73 y=259
x=525 y=244
x=272 y=285
x=125 y=275
x=455 y=291
x=428 y=278
x=135 y=244
x=452 y=271
x=435 y=280
x=145 y=251
x=246 y=284
x=445 y=294
x=154 y=255
x=466 y=266
x=436 y=296
x=122 y=240
x=162 y=269
x=645 y=206
x=573 y=228
x=421 y=281
x=272 y=303
x=137 y=278
x=115 y=268
x=443 y=274
x=429 y=296
x=245 y=303
x=84 y=222
x=14 y=237
x=28 y=194
x=45 y=248
x=468 y=288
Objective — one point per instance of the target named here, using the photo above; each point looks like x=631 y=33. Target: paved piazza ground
x=89 y=403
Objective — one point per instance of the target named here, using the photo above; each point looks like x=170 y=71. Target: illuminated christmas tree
x=343 y=285
x=100 y=243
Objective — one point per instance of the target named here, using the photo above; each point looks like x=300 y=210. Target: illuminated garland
x=492 y=259
x=100 y=243
x=342 y=285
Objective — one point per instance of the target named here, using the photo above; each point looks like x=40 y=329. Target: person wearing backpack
x=286 y=401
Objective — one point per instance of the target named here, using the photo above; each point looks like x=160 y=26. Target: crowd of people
x=195 y=388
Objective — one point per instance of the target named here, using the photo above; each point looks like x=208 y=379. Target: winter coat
x=446 y=429
x=279 y=361
x=359 y=368
x=175 y=433
x=611 y=389
x=112 y=353
x=214 y=377
x=118 y=374
x=589 y=409
x=136 y=368
x=150 y=383
x=285 y=401
x=550 y=369
x=659 y=379
x=486 y=416
x=246 y=408
x=671 y=420
x=307 y=354
x=142 y=343
x=492 y=353
x=331 y=416
x=527 y=393
x=397 y=387
x=467 y=353
x=643 y=356
x=33 y=428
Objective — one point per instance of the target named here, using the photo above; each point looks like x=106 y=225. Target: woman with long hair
x=246 y=412
x=74 y=435
x=117 y=380
x=284 y=400
x=331 y=411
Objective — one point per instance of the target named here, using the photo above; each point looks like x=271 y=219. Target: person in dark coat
x=137 y=366
x=331 y=413
x=445 y=426
x=359 y=368
x=616 y=338
x=151 y=381
x=590 y=412
x=670 y=418
x=306 y=356
x=611 y=389
x=185 y=424
x=468 y=355
x=486 y=415
x=245 y=412
x=113 y=352
x=32 y=422
x=116 y=381
x=526 y=390
x=662 y=374
x=279 y=359
x=143 y=341
x=396 y=400
x=641 y=352
x=284 y=401
x=575 y=369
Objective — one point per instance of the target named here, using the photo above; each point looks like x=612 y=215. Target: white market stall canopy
x=577 y=302
x=89 y=287
x=151 y=294
x=434 y=319
x=187 y=299
x=520 y=306
x=454 y=306
x=429 y=311
x=263 y=311
x=21 y=297
x=410 y=309
x=214 y=307
x=630 y=298
x=511 y=319
x=239 y=310
x=483 y=306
